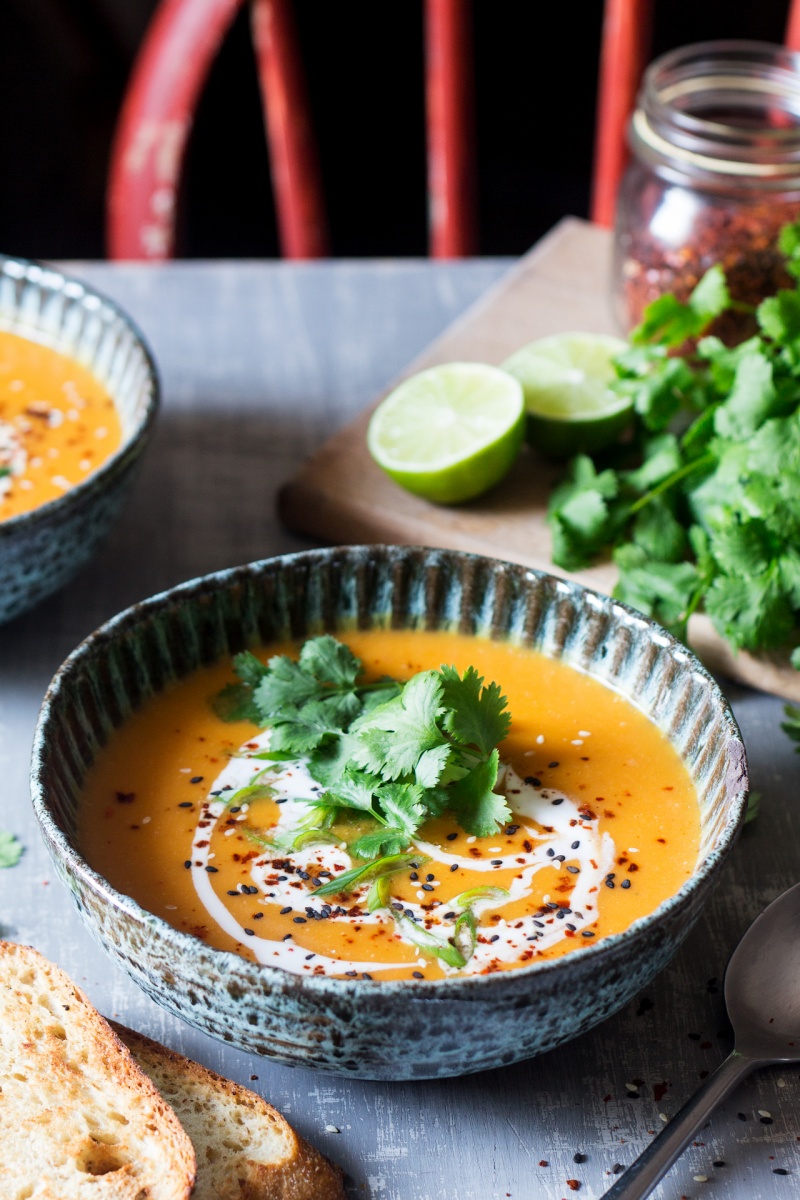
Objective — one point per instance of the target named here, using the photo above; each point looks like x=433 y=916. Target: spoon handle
x=643 y=1174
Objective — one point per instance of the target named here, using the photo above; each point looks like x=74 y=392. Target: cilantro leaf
x=478 y=808
x=235 y=703
x=477 y=715
x=11 y=849
x=251 y=670
x=393 y=737
x=668 y=322
x=580 y=515
x=402 y=806
x=330 y=661
x=791 y=726
x=389 y=840
x=285 y=683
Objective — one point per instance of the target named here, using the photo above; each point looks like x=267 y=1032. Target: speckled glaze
x=41 y=550
x=391 y=1029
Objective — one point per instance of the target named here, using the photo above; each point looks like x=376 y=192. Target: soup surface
x=605 y=826
x=57 y=424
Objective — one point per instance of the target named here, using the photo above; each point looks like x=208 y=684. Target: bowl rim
x=130 y=447
x=455 y=987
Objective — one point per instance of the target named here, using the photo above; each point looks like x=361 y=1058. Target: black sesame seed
x=617 y=1169
x=552 y=765
x=454 y=867
x=236 y=808
x=282 y=878
x=282 y=800
x=765 y=1120
x=551 y=853
x=575 y=845
x=212 y=870
x=587 y=933
x=495 y=937
x=430 y=877
x=365 y=975
x=560 y=914
x=196 y=779
x=780 y=1171
x=427 y=887
x=742 y=1116
x=578 y=1157
x=188 y=863
x=451 y=837
x=560 y=857
x=185 y=804
x=539 y=923
x=720 y=1162
x=417 y=975
x=309 y=957
x=257 y=916
x=286 y=937
x=414 y=876
x=572 y=927
x=497 y=862
x=250 y=932
x=574 y=870
x=512 y=829
x=626 y=883
x=303 y=874
x=449 y=915
x=299 y=920
x=560 y=800
x=351 y=973
x=610 y=883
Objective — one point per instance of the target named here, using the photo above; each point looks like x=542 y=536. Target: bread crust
x=78 y=1119
x=294 y=1169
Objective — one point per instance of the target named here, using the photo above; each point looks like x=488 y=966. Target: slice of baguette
x=78 y=1119
x=245 y=1149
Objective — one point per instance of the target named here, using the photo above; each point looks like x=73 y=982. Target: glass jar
x=714 y=176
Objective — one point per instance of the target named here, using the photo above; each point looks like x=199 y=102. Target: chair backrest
x=624 y=53
x=165 y=86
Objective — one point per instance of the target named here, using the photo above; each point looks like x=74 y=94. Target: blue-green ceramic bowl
x=391 y=1029
x=41 y=550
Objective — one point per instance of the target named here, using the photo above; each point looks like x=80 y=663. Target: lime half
x=450 y=432
x=570 y=407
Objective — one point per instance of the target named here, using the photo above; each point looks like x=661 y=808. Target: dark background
x=64 y=64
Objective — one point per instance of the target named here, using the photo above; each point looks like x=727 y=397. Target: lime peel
x=450 y=432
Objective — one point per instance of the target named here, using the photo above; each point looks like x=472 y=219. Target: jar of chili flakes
x=714 y=176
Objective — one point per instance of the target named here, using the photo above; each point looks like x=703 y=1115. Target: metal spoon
x=762 y=994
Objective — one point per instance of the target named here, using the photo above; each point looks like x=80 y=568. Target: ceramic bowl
x=390 y=1029
x=41 y=550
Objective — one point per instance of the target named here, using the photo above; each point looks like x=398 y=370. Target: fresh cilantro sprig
x=395 y=754
x=702 y=512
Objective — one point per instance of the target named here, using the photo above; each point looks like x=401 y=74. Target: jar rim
x=726 y=108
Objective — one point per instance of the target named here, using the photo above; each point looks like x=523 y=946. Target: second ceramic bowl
x=372 y=1029
x=41 y=550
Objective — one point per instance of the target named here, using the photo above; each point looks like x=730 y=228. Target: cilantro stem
x=707 y=460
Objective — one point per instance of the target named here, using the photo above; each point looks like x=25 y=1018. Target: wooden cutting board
x=340 y=496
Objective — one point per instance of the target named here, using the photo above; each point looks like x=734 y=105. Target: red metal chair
x=624 y=54
x=169 y=75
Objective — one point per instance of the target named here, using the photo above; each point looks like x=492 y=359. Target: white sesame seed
x=60 y=481
x=781 y=1083
x=577 y=741
x=540 y=740
x=584 y=733
x=700 y=1178
x=762 y=1112
x=472 y=838
x=185 y=770
x=331 y=1129
x=228 y=832
x=101 y=432
x=663 y=1117
x=146 y=820
x=420 y=895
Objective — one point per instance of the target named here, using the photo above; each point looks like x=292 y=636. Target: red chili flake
x=606 y=1098
x=659 y=1091
x=543 y=1162
x=588 y=813
x=574 y=1184
x=125 y=797
x=742 y=238
x=633 y=867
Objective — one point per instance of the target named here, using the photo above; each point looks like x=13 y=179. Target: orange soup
x=57 y=424
x=187 y=814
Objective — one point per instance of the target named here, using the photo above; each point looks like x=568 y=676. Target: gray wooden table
x=260 y=363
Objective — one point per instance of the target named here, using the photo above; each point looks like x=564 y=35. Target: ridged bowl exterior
x=41 y=550
x=391 y=1029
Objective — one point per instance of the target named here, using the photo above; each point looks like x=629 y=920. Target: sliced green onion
x=429 y=944
x=465 y=935
x=497 y=894
x=348 y=881
x=246 y=795
x=378 y=894
x=315 y=837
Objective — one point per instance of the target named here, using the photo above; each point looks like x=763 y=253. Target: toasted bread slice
x=245 y=1149
x=78 y=1119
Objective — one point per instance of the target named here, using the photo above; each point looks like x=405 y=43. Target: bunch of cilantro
x=395 y=753
x=702 y=510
